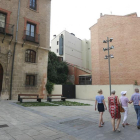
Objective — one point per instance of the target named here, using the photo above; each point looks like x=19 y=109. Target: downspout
x=11 y=81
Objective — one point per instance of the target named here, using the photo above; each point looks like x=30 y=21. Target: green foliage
x=49 y=87
x=57 y=71
x=29 y=104
x=69 y=83
x=69 y=103
x=136 y=83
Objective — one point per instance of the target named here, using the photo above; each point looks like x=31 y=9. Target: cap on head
x=123 y=92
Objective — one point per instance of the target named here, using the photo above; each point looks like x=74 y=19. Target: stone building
x=125 y=67
x=24 y=45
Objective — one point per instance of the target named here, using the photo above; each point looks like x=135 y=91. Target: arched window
x=30 y=56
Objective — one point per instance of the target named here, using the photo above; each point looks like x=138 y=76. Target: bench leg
x=18 y=97
x=63 y=99
x=39 y=100
x=49 y=99
x=20 y=100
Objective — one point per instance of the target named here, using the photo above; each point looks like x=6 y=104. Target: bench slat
x=55 y=95
x=58 y=98
x=28 y=94
x=30 y=98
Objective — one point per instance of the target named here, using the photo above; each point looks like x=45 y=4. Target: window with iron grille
x=85 y=80
x=30 y=80
x=30 y=56
x=33 y=4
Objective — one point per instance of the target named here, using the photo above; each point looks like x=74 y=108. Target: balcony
x=7 y=30
x=31 y=37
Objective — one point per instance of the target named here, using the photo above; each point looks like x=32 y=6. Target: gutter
x=11 y=81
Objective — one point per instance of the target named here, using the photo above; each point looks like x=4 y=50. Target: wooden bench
x=36 y=97
x=49 y=97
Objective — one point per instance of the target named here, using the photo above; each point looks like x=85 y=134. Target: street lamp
x=108 y=56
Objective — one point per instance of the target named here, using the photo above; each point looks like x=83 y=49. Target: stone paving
x=61 y=123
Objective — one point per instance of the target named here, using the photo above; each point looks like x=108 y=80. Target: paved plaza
x=60 y=123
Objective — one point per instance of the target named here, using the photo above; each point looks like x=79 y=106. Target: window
x=60 y=59
x=33 y=4
x=30 y=80
x=30 y=56
x=2 y=22
x=61 y=39
x=30 y=32
x=57 y=42
x=57 y=50
x=85 y=80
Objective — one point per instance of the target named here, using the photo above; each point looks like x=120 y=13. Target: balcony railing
x=6 y=28
x=31 y=36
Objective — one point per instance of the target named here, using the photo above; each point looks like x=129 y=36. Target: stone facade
x=125 y=31
x=41 y=19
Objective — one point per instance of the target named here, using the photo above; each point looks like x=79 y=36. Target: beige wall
x=90 y=91
x=57 y=89
x=86 y=54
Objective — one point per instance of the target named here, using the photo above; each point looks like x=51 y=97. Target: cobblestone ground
x=61 y=123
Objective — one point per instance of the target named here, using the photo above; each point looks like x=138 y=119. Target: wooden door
x=1 y=78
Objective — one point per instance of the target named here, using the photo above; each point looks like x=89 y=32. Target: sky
x=77 y=16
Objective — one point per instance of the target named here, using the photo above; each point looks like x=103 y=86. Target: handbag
x=121 y=108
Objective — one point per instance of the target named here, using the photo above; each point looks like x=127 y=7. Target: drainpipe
x=11 y=81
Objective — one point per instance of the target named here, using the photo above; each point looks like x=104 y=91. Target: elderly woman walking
x=113 y=105
x=101 y=104
x=124 y=102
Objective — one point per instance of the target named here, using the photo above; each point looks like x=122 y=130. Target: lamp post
x=108 y=56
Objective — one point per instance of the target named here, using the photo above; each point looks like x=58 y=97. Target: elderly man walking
x=136 y=101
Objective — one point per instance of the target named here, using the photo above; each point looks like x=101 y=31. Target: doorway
x=1 y=78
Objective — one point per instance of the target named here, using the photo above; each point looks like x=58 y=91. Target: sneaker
x=138 y=127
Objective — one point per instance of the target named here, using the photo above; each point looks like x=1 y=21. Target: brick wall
x=125 y=31
x=74 y=71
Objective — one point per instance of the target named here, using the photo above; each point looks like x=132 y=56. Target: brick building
x=24 y=45
x=125 y=67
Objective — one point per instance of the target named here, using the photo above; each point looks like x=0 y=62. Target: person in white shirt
x=124 y=102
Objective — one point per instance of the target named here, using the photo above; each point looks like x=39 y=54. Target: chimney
x=101 y=14
x=54 y=36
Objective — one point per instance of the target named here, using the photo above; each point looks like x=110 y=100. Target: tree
x=57 y=71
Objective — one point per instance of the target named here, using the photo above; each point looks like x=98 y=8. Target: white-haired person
x=124 y=102
x=101 y=106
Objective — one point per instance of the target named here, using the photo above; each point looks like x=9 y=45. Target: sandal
x=103 y=123
x=100 y=126
x=127 y=124
x=118 y=130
